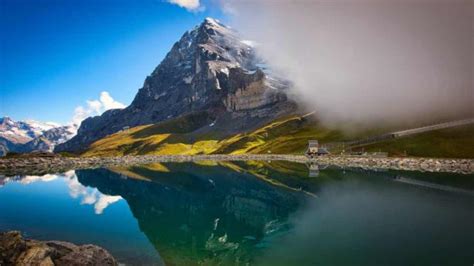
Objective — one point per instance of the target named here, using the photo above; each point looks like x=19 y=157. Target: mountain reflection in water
x=196 y=213
x=257 y=213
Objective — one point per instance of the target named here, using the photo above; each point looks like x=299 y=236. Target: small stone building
x=313 y=146
x=314 y=149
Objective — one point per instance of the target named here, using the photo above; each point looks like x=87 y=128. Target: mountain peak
x=210 y=69
x=211 y=26
x=212 y=21
x=5 y=119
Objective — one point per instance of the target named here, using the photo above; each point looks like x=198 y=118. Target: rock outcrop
x=209 y=69
x=15 y=250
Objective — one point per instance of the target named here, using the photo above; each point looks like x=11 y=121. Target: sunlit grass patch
x=288 y=135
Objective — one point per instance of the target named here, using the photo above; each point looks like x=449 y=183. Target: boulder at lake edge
x=15 y=250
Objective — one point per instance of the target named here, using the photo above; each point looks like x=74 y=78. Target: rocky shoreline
x=54 y=164
x=15 y=250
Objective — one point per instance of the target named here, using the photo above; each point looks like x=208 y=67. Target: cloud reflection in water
x=89 y=196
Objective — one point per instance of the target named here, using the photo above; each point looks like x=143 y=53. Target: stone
x=11 y=246
x=14 y=250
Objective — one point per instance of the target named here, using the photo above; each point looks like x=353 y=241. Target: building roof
x=313 y=143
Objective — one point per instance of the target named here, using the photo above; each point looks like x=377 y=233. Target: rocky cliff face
x=209 y=69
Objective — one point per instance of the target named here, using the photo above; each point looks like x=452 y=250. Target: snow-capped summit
x=212 y=21
x=23 y=129
x=21 y=136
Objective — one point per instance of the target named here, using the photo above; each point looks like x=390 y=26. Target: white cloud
x=190 y=5
x=89 y=196
x=80 y=113
x=96 y=107
x=89 y=199
x=33 y=178
x=104 y=201
x=109 y=103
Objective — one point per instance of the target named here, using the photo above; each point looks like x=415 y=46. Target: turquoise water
x=255 y=213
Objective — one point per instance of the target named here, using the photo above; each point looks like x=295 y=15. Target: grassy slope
x=455 y=142
x=149 y=139
x=287 y=135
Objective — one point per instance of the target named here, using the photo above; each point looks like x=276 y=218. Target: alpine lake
x=249 y=213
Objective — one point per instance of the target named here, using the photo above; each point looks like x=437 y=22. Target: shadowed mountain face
x=209 y=69
x=200 y=213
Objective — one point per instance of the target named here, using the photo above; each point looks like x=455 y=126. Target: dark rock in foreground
x=15 y=250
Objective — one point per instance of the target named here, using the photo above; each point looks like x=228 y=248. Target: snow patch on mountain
x=31 y=135
x=248 y=43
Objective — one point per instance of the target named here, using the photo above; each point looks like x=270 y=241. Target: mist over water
x=362 y=222
x=368 y=61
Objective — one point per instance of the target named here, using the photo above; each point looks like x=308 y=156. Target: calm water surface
x=253 y=213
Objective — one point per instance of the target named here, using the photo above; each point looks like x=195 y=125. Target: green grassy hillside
x=455 y=142
x=177 y=136
x=285 y=136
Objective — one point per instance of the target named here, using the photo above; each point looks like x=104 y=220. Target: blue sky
x=57 y=54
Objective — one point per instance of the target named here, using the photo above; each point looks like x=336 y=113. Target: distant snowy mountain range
x=30 y=135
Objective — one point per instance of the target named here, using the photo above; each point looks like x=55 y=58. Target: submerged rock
x=15 y=250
